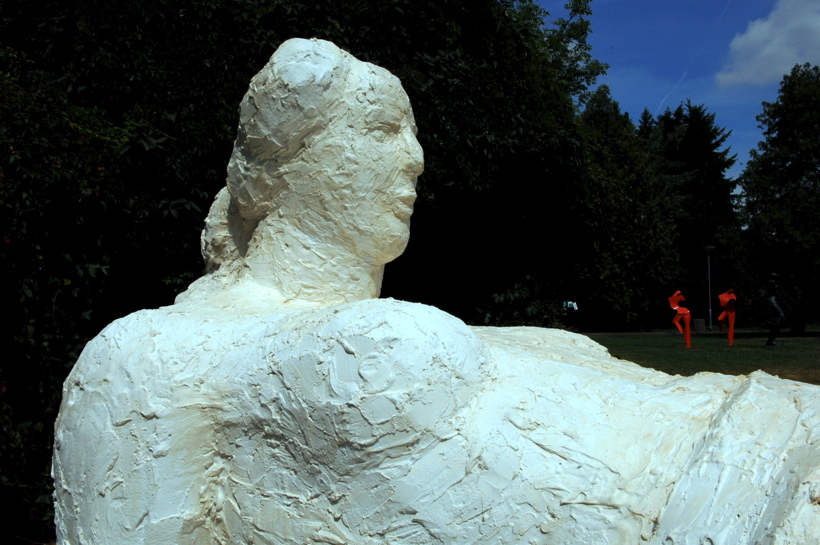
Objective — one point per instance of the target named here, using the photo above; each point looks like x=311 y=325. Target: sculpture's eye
x=383 y=130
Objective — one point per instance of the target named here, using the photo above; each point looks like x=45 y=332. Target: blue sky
x=728 y=55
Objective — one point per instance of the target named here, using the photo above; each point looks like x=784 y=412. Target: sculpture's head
x=327 y=142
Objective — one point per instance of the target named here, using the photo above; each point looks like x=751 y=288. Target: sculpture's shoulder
x=411 y=324
x=214 y=340
x=120 y=337
x=125 y=352
x=406 y=326
x=139 y=333
x=407 y=342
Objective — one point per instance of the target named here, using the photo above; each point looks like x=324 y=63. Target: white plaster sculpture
x=279 y=402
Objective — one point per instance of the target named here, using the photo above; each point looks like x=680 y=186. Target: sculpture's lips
x=404 y=208
x=404 y=212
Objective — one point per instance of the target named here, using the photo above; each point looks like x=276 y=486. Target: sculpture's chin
x=396 y=241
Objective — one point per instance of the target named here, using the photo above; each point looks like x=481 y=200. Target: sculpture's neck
x=305 y=269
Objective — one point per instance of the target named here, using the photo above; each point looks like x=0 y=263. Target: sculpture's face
x=385 y=202
x=376 y=160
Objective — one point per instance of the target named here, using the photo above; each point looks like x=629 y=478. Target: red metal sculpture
x=682 y=312
x=728 y=313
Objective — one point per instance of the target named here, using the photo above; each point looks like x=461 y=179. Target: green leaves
x=626 y=233
x=781 y=190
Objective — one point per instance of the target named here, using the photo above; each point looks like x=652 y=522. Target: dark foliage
x=689 y=158
x=628 y=236
x=781 y=194
x=117 y=121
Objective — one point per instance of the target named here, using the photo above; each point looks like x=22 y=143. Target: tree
x=58 y=176
x=693 y=150
x=624 y=231
x=114 y=134
x=781 y=191
x=690 y=161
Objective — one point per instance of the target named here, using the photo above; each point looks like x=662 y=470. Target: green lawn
x=666 y=351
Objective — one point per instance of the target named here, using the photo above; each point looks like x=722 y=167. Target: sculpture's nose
x=415 y=162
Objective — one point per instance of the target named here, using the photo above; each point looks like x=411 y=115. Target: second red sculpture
x=728 y=313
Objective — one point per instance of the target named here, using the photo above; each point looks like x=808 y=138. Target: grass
x=666 y=351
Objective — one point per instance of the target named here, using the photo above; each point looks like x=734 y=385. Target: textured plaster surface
x=279 y=402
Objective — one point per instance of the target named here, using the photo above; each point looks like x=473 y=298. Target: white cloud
x=770 y=47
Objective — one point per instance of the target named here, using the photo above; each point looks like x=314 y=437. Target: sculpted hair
x=289 y=102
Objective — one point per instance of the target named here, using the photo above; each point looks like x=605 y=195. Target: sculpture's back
x=279 y=402
x=198 y=425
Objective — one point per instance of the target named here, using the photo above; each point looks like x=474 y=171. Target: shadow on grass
x=710 y=352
